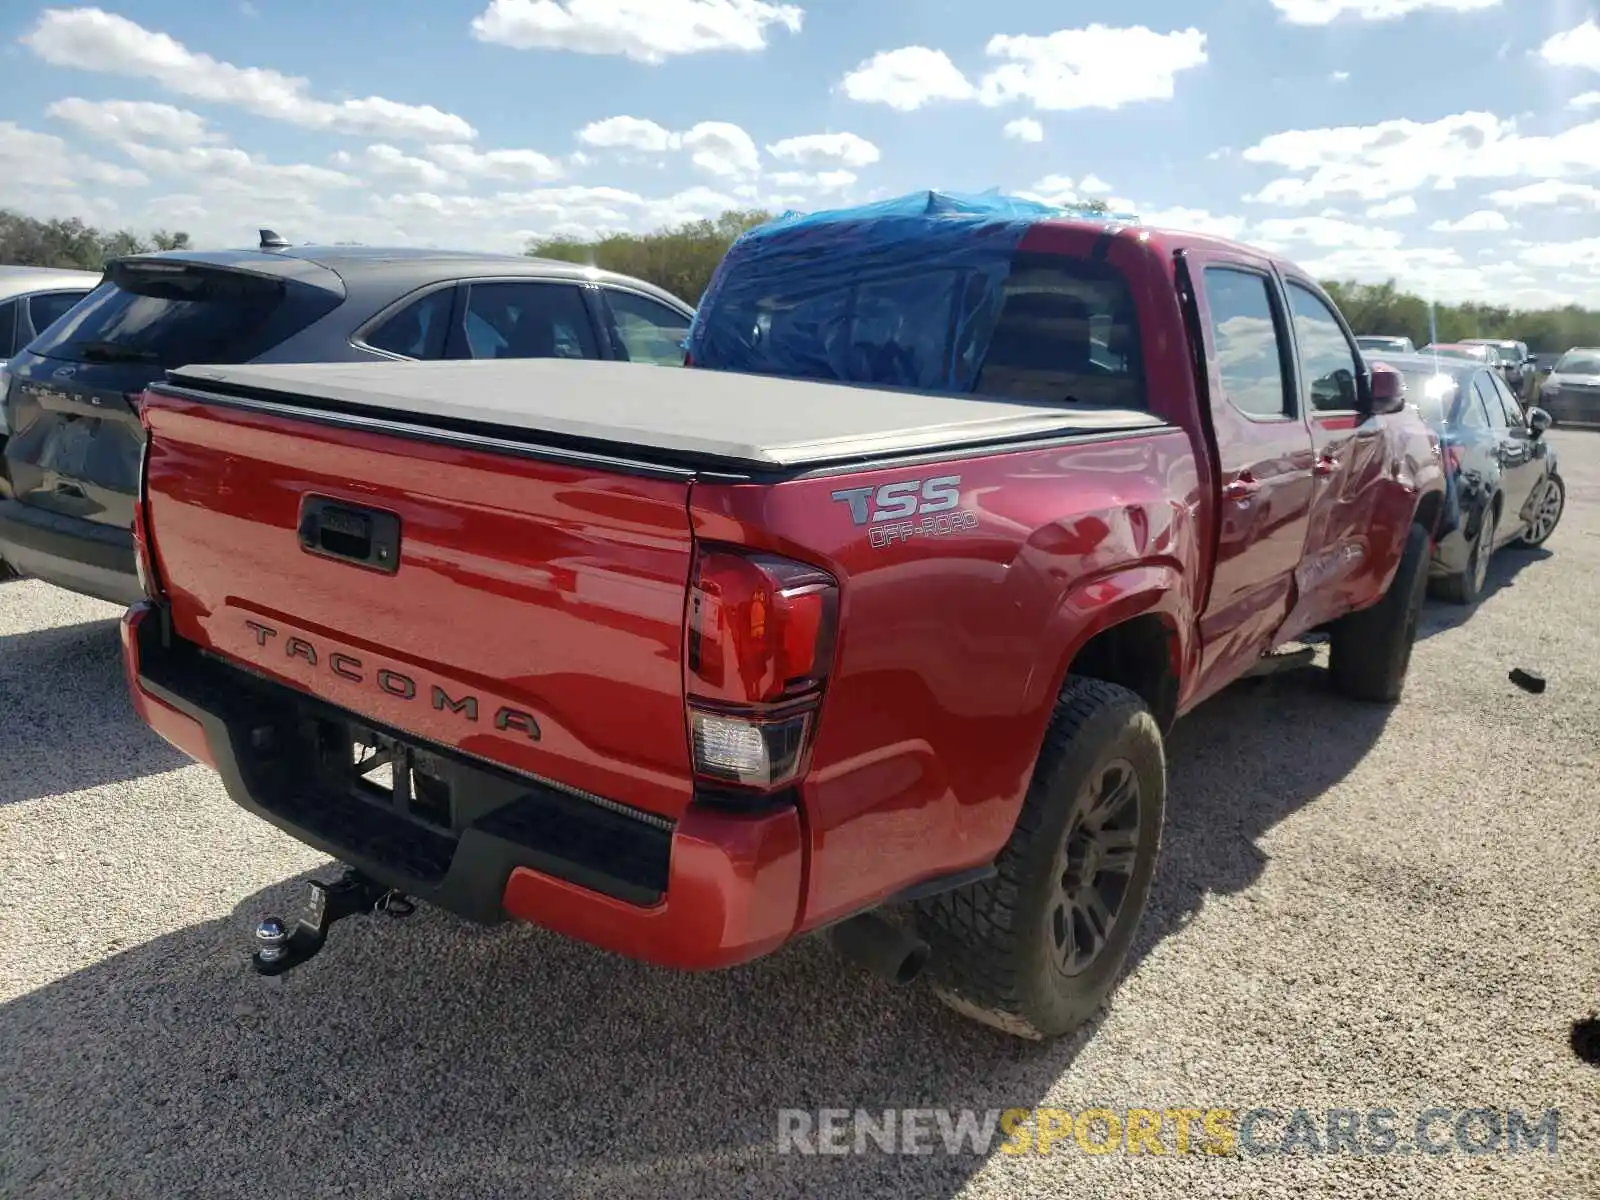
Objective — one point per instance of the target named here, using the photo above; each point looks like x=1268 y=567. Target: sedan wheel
x=1552 y=498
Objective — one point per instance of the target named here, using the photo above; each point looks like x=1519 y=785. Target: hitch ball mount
x=280 y=949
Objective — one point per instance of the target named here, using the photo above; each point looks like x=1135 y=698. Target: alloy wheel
x=1546 y=512
x=1095 y=869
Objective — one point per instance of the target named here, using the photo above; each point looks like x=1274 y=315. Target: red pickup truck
x=687 y=663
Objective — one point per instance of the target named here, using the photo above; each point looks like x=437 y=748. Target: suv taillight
x=759 y=648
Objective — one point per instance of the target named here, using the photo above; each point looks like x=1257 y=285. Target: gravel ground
x=1357 y=908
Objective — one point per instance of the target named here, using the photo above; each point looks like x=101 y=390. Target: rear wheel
x=1037 y=949
x=1466 y=587
x=1548 y=506
x=1370 y=651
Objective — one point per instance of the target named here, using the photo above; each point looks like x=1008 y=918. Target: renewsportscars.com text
x=1221 y=1132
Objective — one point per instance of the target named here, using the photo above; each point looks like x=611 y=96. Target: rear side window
x=1244 y=331
x=1490 y=400
x=525 y=320
x=1067 y=333
x=8 y=329
x=649 y=331
x=419 y=329
x=171 y=314
x=1329 y=366
x=1434 y=395
x=46 y=309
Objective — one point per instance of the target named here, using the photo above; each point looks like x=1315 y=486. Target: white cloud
x=1097 y=67
x=94 y=40
x=224 y=166
x=645 y=30
x=1375 y=162
x=388 y=162
x=1324 y=12
x=717 y=147
x=628 y=133
x=1186 y=220
x=1577 y=47
x=1339 y=77
x=523 y=166
x=1055 y=189
x=1485 y=220
x=1326 y=232
x=133 y=120
x=822 y=181
x=1548 y=192
x=1093 y=185
x=723 y=150
x=844 y=150
x=1587 y=100
x=1024 y=129
x=31 y=162
x=1400 y=206
x=907 y=78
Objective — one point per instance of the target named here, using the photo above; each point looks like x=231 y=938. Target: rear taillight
x=759 y=648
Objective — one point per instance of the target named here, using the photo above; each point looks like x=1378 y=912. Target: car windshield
x=1579 y=362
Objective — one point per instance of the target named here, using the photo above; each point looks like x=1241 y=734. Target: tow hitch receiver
x=278 y=949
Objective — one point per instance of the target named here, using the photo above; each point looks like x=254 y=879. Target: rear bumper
x=712 y=889
x=81 y=556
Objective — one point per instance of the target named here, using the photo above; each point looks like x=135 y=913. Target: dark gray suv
x=72 y=404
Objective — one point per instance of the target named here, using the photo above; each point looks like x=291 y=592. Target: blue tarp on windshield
x=901 y=293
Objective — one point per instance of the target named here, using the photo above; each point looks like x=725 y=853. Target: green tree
x=28 y=242
x=680 y=258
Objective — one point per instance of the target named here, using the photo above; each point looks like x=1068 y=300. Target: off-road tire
x=1466 y=586
x=1370 y=651
x=992 y=941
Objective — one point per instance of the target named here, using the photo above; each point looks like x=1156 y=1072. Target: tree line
x=681 y=258
x=70 y=243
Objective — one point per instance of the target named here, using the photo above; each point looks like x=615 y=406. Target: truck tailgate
x=522 y=611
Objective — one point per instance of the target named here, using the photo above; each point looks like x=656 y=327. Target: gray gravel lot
x=1357 y=908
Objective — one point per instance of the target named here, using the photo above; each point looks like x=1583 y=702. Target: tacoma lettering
x=393 y=683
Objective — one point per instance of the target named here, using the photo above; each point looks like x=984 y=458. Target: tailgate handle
x=367 y=537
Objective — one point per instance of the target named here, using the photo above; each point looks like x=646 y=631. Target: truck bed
x=690 y=419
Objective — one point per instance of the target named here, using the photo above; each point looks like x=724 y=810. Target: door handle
x=1325 y=466
x=1241 y=488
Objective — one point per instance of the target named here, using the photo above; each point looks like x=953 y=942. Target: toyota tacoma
x=883 y=606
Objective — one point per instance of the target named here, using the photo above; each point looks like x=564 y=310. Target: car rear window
x=171 y=315
x=1059 y=330
x=1433 y=393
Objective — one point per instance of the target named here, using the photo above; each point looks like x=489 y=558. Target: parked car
x=1517 y=364
x=1502 y=474
x=1474 y=352
x=689 y=664
x=31 y=300
x=1571 y=390
x=73 y=458
x=1385 y=344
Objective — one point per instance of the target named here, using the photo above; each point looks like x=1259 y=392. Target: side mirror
x=1539 y=421
x=1387 y=389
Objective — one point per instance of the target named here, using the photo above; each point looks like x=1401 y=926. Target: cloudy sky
x=1454 y=144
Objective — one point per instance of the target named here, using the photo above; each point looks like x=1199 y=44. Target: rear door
x=1522 y=456
x=1264 y=456
x=643 y=329
x=523 y=319
x=1350 y=468
x=1474 y=451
